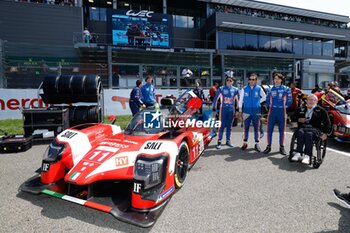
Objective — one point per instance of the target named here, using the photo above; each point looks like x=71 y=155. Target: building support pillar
x=110 y=75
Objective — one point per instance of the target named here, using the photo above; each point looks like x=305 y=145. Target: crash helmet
x=229 y=74
x=186 y=73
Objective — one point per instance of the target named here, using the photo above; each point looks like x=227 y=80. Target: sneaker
x=213 y=134
x=244 y=147
x=218 y=146
x=342 y=197
x=257 y=147
x=282 y=150
x=306 y=159
x=296 y=157
x=228 y=143
x=267 y=150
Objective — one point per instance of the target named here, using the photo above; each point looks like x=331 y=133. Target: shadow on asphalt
x=284 y=164
x=344 y=223
x=54 y=208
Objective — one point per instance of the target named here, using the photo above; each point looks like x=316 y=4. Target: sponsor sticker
x=153 y=145
x=166 y=193
x=121 y=161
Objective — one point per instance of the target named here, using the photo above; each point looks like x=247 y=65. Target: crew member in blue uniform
x=136 y=98
x=148 y=94
x=229 y=96
x=249 y=104
x=278 y=100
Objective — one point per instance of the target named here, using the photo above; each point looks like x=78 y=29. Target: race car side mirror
x=166 y=101
x=194 y=103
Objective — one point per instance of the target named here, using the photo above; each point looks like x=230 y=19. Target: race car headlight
x=150 y=171
x=54 y=152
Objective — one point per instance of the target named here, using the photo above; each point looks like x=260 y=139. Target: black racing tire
x=77 y=84
x=181 y=165
x=64 y=85
x=92 y=83
x=50 y=85
x=81 y=114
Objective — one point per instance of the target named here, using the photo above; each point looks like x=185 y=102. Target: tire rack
x=61 y=96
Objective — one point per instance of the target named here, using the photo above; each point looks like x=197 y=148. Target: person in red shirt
x=212 y=91
x=296 y=94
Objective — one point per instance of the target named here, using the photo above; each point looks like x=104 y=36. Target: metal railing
x=142 y=41
x=52 y=2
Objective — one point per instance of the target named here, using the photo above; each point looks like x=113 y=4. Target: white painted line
x=331 y=149
x=339 y=152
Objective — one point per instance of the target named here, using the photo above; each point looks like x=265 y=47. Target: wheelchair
x=319 y=146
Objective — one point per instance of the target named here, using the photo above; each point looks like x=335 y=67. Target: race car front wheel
x=181 y=165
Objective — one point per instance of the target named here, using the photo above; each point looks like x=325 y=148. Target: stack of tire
x=70 y=89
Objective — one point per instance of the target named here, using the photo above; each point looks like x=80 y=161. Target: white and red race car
x=132 y=173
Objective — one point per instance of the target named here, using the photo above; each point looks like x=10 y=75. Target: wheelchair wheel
x=292 y=147
x=321 y=153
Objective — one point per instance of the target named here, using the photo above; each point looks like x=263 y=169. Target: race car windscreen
x=344 y=108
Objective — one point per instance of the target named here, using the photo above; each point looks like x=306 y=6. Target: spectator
x=86 y=35
x=199 y=92
x=316 y=89
x=296 y=96
x=136 y=98
x=148 y=93
x=212 y=91
x=310 y=118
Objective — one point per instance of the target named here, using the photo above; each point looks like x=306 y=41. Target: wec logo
x=143 y=13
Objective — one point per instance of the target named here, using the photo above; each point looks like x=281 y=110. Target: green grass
x=15 y=126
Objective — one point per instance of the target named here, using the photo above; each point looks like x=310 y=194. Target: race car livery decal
x=156 y=147
x=78 y=142
x=110 y=164
x=116 y=129
x=166 y=193
x=198 y=142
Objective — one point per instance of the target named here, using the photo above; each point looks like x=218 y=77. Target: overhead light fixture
x=109 y=3
x=92 y=1
x=126 y=4
x=93 y=8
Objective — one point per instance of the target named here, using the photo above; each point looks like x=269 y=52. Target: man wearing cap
x=249 y=104
x=278 y=100
x=147 y=91
x=136 y=98
x=229 y=96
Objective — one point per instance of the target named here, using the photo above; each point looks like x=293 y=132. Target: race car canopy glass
x=54 y=152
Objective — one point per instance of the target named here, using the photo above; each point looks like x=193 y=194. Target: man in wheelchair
x=313 y=125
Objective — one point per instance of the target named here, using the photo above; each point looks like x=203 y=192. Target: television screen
x=143 y=28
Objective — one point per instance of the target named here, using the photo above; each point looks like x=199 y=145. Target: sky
x=341 y=7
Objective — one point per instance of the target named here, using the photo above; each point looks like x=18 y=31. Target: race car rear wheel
x=181 y=165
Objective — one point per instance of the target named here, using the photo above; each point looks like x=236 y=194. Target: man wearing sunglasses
x=249 y=103
x=229 y=96
x=278 y=99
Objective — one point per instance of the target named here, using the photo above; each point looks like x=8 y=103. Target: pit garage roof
x=283 y=9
